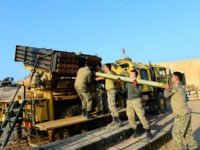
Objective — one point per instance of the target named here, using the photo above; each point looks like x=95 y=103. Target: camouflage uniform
x=100 y=99
x=82 y=79
x=111 y=92
x=100 y=95
x=182 y=117
x=134 y=105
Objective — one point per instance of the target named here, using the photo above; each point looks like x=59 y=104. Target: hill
x=191 y=69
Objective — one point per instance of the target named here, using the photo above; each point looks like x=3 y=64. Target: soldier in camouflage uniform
x=134 y=105
x=182 y=115
x=111 y=93
x=100 y=93
x=83 y=78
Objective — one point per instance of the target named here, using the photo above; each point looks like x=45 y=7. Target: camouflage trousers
x=86 y=99
x=100 y=99
x=182 y=130
x=135 y=106
x=111 y=102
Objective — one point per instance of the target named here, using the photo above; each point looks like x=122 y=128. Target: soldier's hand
x=98 y=78
x=166 y=86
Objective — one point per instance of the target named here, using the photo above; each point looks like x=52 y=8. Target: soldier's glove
x=135 y=83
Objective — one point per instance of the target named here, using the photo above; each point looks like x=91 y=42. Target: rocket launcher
x=62 y=63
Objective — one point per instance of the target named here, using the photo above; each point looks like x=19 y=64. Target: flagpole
x=123 y=51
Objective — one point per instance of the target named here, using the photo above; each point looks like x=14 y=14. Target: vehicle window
x=152 y=74
x=144 y=74
x=125 y=66
x=162 y=72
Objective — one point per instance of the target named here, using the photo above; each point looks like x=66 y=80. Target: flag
x=123 y=51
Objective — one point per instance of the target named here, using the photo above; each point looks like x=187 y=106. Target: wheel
x=71 y=111
x=160 y=103
x=157 y=105
x=121 y=99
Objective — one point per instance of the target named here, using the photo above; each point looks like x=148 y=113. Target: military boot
x=113 y=122
x=84 y=112
x=135 y=133
x=149 y=135
x=116 y=122
x=89 y=115
x=119 y=122
x=100 y=113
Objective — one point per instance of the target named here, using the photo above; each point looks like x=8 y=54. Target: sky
x=149 y=30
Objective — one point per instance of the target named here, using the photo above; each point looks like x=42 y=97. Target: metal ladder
x=14 y=110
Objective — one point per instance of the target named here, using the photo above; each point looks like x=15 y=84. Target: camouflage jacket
x=178 y=99
x=132 y=91
x=83 y=78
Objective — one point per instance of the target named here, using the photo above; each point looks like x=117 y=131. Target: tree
x=8 y=79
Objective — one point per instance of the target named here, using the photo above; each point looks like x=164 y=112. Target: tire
x=160 y=103
x=71 y=111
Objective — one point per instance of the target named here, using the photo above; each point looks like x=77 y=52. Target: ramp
x=114 y=138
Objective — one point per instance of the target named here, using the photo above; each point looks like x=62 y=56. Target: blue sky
x=148 y=30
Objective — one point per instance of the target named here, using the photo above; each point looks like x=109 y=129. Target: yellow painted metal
x=118 y=70
x=3 y=107
x=127 y=65
x=160 y=73
x=49 y=96
x=68 y=97
x=128 y=79
x=42 y=112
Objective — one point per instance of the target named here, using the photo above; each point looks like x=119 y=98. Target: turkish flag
x=123 y=51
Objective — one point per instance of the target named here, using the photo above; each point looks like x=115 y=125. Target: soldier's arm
x=124 y=87
x=98 y=78
x=169 y=91
x=139 y=89
x=89 y=79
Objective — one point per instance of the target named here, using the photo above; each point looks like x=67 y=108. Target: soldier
x=110 y=88
x=100 y=93
x=182 y=115
x=134 y=105
x=83 y=78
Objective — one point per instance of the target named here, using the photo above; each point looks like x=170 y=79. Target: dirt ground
x=186 y=67
x=194 y=106
x=6 y=93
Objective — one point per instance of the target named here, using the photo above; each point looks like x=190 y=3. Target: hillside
x=191 y=68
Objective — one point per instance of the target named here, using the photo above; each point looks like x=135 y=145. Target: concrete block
x=193 y=92
x=195 y=95
x=192 y=98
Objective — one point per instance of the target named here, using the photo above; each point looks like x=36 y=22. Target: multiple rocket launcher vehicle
x=50 y=95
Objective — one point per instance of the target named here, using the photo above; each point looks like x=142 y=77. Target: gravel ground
x=195 y=107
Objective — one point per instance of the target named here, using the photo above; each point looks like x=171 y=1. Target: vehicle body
x=49 y=92
x=50 y=95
